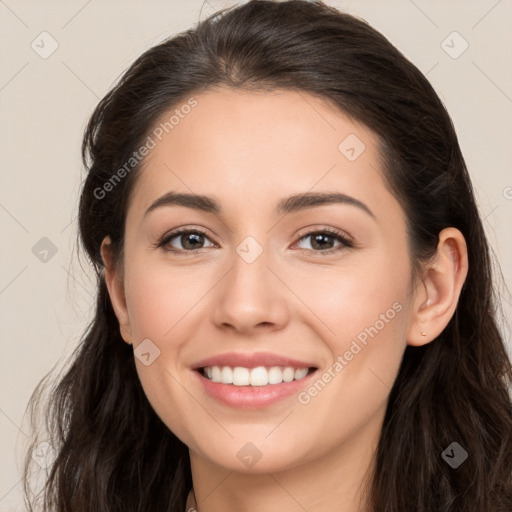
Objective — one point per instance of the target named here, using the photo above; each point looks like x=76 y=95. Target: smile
x=253 y=380
x=258 y=376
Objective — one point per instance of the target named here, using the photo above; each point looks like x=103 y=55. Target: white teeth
x=216 y=374
x=241 y=376
x=275 y=375
x=300 y=373
x=259 y=376
x=226 y=375
x=288 y=374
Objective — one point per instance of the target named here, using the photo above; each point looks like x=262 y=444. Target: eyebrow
x=291 y=204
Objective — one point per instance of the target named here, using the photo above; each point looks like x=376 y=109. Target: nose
x=251 y=299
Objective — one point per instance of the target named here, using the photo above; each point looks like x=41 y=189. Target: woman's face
x=265 y=286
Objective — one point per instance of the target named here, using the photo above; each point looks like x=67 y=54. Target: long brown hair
x=113 y=453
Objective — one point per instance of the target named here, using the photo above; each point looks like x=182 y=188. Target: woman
x=295 y=306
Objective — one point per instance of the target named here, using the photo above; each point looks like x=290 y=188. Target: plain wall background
x=45 y=103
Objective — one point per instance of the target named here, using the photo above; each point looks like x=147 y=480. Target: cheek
x=354 y=298
x=160 y=302
x=362 y=312
x=160 y=296
x=369 y=319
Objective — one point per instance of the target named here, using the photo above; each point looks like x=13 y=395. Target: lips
x=252 y=361
x=252 y=380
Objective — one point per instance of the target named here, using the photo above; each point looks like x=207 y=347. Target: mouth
x=255 y=380
x=254 y=377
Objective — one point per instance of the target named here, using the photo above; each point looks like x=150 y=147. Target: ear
x=438 y=292
x=114 y=281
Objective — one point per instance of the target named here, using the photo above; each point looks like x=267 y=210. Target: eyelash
x=339 y=236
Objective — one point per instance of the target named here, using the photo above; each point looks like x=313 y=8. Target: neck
x=338 y=481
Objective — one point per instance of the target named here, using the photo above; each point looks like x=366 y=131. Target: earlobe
x=438 y=293
x=115 y=286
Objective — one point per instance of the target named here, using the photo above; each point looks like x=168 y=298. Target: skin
x=249 y=150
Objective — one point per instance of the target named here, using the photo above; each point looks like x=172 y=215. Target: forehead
x=244 y=147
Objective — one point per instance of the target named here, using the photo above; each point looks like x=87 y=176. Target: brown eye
x=324 y=241
x=187 y=240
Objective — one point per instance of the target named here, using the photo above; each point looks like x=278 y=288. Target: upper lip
x=251 y=360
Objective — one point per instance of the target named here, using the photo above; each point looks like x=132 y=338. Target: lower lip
x=252 y=396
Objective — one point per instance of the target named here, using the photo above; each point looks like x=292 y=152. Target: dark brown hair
x=113 y=451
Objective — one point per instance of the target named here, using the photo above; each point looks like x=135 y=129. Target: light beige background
x=45 y=104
